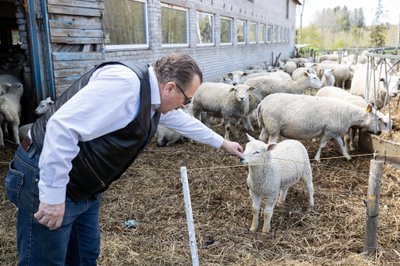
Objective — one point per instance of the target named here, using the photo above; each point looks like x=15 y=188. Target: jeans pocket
x=13 y=184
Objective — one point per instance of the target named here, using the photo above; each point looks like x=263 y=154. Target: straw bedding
x=150 y=193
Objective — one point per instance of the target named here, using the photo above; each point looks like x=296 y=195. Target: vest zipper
x=94 y=173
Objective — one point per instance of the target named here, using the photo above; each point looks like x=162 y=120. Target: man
x=88 y=138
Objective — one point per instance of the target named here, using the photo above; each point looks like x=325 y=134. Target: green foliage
x=340 y=28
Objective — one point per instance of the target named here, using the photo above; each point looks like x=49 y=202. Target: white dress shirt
x=107 y=103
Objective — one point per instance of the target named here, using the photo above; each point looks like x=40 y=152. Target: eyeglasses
x=187 y=99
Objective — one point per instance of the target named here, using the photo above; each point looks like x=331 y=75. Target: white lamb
x=305 y=117
x=43 y=106
x=223 y=100
x=234 y=77
x=328 y=79
x=10 y=107
x=273 y=169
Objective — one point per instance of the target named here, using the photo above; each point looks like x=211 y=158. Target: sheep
x=223 y=100
x=43 y=106
x=299 y=72
x=327 y=77
x=273 y=169
x=267 y=85
x=340 y=72
x=329 y=57
x=377 y=89
x=277 y=74
x=305 y=117
x=10 y=107
x=288 y=67
x=385 y=123
x=234 y=77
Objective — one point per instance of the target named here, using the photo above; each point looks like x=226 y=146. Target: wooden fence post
x=375 y=174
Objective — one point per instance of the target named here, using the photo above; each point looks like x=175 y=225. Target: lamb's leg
x=341 y=146
x=269 y=211
x=282 y=195
x=256 y=199
x=324 y=140
x=353 y=132
x=15 y=127
x=227 y=122
x=263 y=135
x=307 y=180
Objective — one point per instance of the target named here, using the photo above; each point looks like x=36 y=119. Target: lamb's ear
x=305 y=73
x=250 y=137
x=251 y=88
x=369 y=108
x=271 y=146
x=232 y=89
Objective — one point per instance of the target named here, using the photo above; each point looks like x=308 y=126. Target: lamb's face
x=255 y=152
x=242 y=93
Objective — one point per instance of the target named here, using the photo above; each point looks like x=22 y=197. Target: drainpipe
x=34 y=50
x=47 y=46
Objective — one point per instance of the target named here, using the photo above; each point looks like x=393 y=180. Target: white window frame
x=113 y=47
x=166 y=45
x=262 y=28
x=270 y=34
x=244 y=23
x=255 y=32
x=231 y=31
x=213 y=29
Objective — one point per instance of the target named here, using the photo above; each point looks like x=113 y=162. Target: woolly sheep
x=10 y=107
x=273 y=169
x=328 y=79
x=288 y=67
x=299 y=72
x=234 y=77
x=328 y=57
x=340 y=72
x=385 y=123
x=223 y=100
x=305 y=117
x=359 y=81
x=277 y=74
x=267 y=85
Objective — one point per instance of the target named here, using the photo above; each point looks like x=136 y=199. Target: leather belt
x=26 y=143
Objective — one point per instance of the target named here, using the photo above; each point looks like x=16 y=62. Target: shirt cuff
x=50 y=195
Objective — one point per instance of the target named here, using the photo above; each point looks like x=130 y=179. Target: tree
x=378 y=29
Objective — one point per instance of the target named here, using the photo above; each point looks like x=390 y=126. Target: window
x=276 y=34
x=252 y=32
x=174 y=23
x=241 y=31
x=125 y=23
x=269 y=34
x=261 y=33
x=287 y=35
x=205 y=28
x=226 y=30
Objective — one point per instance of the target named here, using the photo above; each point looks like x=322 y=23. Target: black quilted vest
x=103 y=160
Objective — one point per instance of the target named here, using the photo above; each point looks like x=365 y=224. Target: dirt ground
x=150 y=193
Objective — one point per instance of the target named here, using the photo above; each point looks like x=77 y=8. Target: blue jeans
x=76 y=242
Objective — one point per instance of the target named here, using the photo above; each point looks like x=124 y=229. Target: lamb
x=329 y=57
x=328 y=79
x=43 y=106
x=234 y=77
x=10 y=107
x=305 y=117
x=340 y=72
x=223 y=100
x=273 y=169
x=277 y=74
x=299 y=72
x=385 y=123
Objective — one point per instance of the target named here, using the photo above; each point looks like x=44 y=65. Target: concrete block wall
x=218 y=59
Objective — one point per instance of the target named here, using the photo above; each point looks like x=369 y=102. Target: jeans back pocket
x=13 y=183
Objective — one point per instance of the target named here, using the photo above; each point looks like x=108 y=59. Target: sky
x=391 y=9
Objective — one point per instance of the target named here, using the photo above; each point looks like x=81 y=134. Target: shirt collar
x=155 y=91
